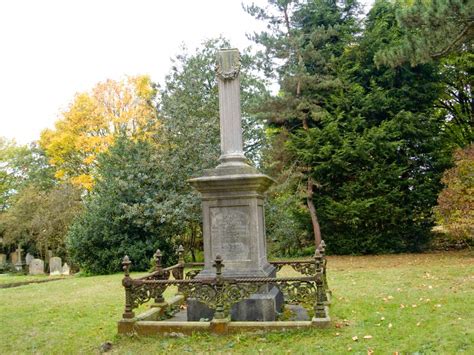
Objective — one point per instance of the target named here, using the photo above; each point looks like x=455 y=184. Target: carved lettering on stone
x=230 y=232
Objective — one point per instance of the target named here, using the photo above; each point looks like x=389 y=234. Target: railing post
x=127 y=284
x=322 y=249
x=319 y=306
x=159 y=271
x=179 y=274
x=219 y=313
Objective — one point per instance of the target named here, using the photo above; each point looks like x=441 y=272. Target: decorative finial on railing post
x=126 y=265
x=218 y=265
x=180 y=255
x=322 y=247
x=158 y=256
x=318 y=260
x=127 y=284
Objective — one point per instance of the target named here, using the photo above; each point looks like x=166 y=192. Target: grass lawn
x=13 y=278
x=398 y=303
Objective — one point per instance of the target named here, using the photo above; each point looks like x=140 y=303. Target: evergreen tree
x=372 y=148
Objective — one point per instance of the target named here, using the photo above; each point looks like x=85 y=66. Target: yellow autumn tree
x=91 y=122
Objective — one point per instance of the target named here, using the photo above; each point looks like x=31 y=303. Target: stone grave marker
x=36 y=267
x=19 y=265
x=28 y=258
x=65 y=270
x=232 y=206
x=3 y=261
x=55 y=265
x=13 y=257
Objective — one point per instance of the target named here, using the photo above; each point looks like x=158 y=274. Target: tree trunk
x=312 y=212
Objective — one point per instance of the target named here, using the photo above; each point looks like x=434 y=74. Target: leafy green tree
x=126 y=212
x=39 y=219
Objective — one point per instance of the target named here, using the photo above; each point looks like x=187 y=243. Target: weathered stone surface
x=65 y=270
x=3 y=259
x=13 y=257
x=263 y=306
x=28 y=258
x=55 y=265
x=36 y=267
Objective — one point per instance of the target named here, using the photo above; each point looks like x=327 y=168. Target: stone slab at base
x=258 y=307
x=153 y=328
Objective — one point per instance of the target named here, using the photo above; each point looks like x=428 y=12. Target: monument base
x=263 y=306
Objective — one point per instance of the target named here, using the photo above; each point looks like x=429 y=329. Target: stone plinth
x=234 y=222
x=234 y=228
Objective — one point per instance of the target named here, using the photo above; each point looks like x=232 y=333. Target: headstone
x=55 y=265
x=3 y=261
x=28 y=258
x=36 y=267
x=232 y=205
x=65 y=270
x=13 y=257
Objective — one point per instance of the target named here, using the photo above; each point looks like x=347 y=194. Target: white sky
x=52 y=49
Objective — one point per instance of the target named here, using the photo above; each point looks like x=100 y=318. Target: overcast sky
x=52 y=49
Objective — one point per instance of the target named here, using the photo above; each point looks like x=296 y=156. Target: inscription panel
x=230 y=232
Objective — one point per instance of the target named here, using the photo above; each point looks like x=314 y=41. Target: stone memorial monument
x=19 y=264
x=55 y=266
x=232 y=207
x=36 y=267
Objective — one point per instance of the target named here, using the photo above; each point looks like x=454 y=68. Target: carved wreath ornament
x=228 y=64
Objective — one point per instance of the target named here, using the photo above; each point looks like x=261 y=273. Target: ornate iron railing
x=221 y=293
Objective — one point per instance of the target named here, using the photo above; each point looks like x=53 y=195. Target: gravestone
x=13 y=257
x=3 y=261
x=65 y=270
x=232 y=207
x=28 y=258
x=36 y=267
x=55 y=265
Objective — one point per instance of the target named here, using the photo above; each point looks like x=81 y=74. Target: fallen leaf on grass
x=438 y=305
x=414 y=305
x=367 y=336
x=390 y=325
x=337 y=334
x=382 y=318
x=370 y=351
x=418 y=324
x=355 y=338
x=402 y=306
